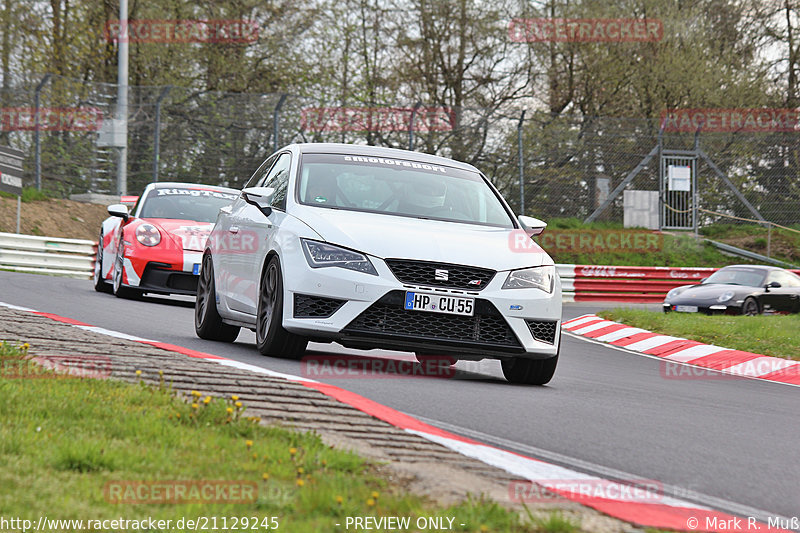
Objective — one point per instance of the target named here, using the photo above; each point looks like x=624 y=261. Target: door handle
x=234 y=229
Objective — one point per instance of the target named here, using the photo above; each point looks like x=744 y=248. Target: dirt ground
x=53 y=218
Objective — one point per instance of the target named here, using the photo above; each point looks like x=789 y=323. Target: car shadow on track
x=323 y=365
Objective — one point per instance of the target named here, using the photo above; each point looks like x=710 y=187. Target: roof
x=380 y=151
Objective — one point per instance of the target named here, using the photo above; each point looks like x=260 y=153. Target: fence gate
x=678 y=189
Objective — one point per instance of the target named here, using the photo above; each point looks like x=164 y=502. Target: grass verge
x=778 y=336
x=85 y=449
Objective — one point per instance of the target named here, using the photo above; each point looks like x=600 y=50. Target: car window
x=278 y=179
x=786 y=279
x=260 y=174
x=749 y=277
x=185 y=203
x=399 y=187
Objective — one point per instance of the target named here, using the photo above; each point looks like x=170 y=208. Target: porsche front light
x=148 y=235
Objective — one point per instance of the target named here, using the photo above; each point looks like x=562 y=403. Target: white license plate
x=196 y=269
x=686 y=308
x=438 y=303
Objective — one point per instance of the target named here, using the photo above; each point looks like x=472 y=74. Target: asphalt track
x=729 y=444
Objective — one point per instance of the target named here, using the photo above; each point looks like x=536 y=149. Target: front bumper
x=163 y=273
x=730 y=308
x=366 y=311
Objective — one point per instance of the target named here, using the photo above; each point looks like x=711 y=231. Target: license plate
x=196 y=269
x=438 y=303
x=686 y=308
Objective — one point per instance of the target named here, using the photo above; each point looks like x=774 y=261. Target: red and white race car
x=158 y=247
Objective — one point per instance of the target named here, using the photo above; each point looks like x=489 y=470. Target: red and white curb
x=666 y=513
x=678 y=350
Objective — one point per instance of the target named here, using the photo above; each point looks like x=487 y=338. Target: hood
x=707 y=292
x=388 y=236
x=187 y=234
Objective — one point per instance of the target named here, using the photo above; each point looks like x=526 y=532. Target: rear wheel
x=750 y=307
x=100 y=284
x=208 y=323
x=531 y=371
x=271 y=338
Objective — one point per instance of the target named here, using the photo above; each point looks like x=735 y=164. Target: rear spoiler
x=126 y=199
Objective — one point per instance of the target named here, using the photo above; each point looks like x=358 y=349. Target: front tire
x=531 y=371
x=208 y=323
x=119 y=290
x=100 y=284
x=271 y=338
x=750 y=307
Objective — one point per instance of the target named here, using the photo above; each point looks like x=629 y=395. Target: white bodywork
x=239 y=258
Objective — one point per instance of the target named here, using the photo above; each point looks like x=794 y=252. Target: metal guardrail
x=47 y=255
x=748 y=254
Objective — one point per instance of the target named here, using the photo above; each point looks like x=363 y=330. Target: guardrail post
x=37 y=142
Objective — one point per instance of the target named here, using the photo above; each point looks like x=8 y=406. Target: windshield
x=200 y=205
x=737 y=276
x=399 y=187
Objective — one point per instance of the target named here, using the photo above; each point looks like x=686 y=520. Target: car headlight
x=148 y=235
x=674 y=292
x=542 y=277
x=321 y=255
x=725 y=296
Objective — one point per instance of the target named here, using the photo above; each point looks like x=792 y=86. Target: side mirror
x=534 y=226
x=261 y=197
x=773 y=285
x=119 y=210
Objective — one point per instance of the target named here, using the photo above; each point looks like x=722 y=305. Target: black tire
x=531 y=371
x=750 y=307
x=207 y=322
x=100 y=284
x=119 y=290
x=271 y=338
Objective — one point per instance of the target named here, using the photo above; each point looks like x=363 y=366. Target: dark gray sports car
x=739 y=289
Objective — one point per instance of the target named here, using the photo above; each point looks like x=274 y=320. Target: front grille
x=424 y=273
x=388 y=318
x=306 y=306
x=544 y=331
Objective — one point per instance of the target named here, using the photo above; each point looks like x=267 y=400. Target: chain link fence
x=569 y=165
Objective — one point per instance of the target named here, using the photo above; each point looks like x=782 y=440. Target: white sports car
x=381 y=248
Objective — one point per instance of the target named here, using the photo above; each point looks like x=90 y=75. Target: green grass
x=29 y=194
x=62 y=440
x=778 y=336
